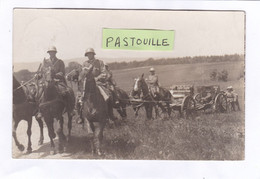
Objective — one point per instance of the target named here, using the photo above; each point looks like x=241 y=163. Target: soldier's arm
x=61 y=69
x=103 y=74
x=85 y=69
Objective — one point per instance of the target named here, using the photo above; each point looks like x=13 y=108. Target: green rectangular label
x=138 y=39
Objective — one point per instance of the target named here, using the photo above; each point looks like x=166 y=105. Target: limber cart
x=210 y=97
x=182 y=100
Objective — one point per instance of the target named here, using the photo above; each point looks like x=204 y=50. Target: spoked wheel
x=188 y=107
x=221 y=104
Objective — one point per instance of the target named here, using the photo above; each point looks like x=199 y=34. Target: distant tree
x=223 y=75
x=72 y=66
x=213 y=75
x=24 y=75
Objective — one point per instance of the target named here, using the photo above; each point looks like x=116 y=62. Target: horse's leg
x=111 y=114
x=148 y=109
x=120 y=112
x=69 y=126
x=39 y=120
x=110 y=111
x=29 y=133
x=98 y=136
x=160 y=105
x=61 y=134
x=51 y=133
x=124 y=111
x=92 y=139
x=15 y=124
x=136 y=111
x=169 y=110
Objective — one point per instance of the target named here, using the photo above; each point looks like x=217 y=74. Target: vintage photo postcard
x=128 y=84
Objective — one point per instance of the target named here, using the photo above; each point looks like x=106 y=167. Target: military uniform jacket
x=57 y=66
x=153 y=80
x=99 y=71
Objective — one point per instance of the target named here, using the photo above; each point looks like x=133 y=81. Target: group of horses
x=95 y=109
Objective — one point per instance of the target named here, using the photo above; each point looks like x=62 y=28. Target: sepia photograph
x=128 y=84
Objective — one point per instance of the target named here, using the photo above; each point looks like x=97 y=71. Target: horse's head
x=74 y=75
x=88 y=79
x=140 y=86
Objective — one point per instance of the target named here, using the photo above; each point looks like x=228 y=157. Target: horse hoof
x=21 y=147
x=65 y=149
x=61 y=150
x=52 y=152
x=40 y=142
x=99 y=153
x=28 y=151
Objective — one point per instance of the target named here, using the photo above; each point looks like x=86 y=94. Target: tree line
x=24 y=75
x=178 y=60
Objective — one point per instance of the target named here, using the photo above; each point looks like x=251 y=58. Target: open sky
x=73 y=31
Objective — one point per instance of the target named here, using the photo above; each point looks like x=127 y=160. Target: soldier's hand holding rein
x=38 y=76
x=59 y=74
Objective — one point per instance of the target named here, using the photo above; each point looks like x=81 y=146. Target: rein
x=23 y=85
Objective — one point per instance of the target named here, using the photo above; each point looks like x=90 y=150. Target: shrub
x=220 y=76
x=223 y=75
x=213 y=75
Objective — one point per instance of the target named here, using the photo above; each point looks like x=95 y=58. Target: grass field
x=210 y=136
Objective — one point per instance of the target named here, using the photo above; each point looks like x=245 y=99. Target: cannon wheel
x=188 y=107
x=221 y=104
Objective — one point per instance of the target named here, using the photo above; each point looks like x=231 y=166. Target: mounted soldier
x=101 y=75
x=153 y=83
x=56 y=67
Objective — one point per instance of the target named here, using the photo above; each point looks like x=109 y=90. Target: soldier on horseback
x=101 y=74
x=153 y=83
x=56 y=67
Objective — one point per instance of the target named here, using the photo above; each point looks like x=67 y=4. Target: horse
x=52 y=105
x=95 y=109
x=123 y=98
x=141 y=88
x=124 y=101
x=162 y=100
x=24 y=108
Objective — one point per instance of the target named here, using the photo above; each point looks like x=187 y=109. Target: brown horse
x=52 y=105
x=124 y=101
x=75 y=76
x=95 y=110
x=143 y=97
x=24 y=108
x=141 y=92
